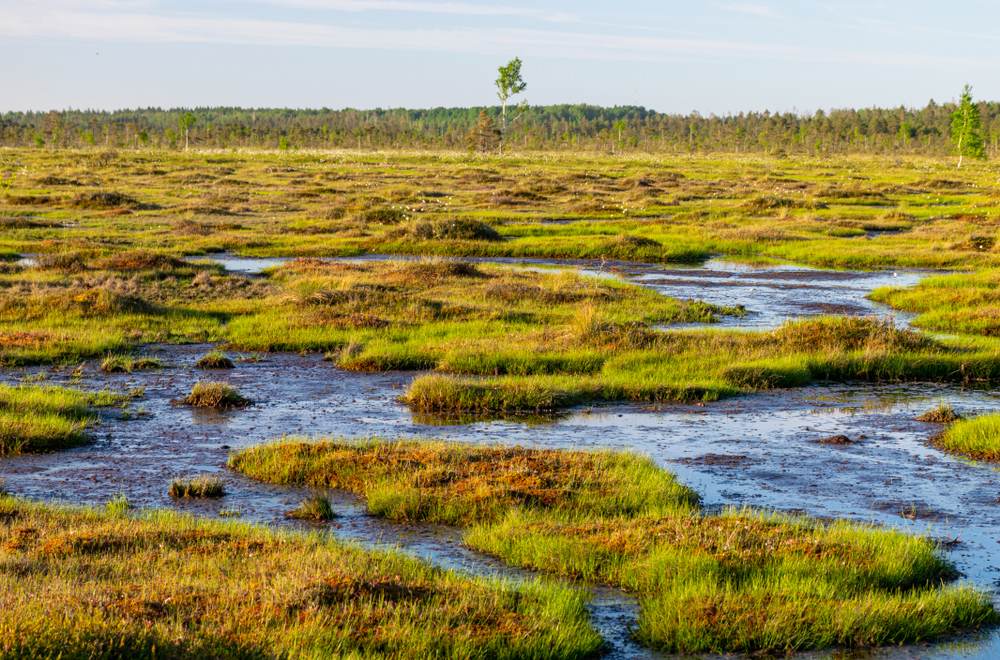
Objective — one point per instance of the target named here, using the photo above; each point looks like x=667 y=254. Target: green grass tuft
x=214 y=394
x=977 y=437
x=202 y=487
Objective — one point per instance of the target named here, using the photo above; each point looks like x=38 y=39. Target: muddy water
x=772 y=294
x=758 y=451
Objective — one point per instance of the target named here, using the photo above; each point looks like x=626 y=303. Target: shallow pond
x=757 y=450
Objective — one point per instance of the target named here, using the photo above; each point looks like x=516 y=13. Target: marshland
x=547 y=405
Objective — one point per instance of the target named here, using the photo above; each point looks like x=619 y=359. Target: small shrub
x=383 y=216
x=202 y=487
x=215 y=360
x=317 y=507
x=66 y=262
x=209 y=394
x=140 y=260
x=455 y=229
x=104 y=200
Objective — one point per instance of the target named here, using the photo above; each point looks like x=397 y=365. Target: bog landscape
x=359 y=386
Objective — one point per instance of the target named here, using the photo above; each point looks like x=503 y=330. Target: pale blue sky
x=708 y=56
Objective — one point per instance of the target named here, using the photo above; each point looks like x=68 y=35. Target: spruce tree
x=965 y=127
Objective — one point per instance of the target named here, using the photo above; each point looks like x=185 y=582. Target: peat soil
x=760 y=450
x=771 y=293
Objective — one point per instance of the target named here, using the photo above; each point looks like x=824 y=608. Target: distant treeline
x=557 y=127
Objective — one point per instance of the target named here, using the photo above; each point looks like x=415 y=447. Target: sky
x=712 y=57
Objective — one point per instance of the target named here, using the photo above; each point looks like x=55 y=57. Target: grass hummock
x=203 y=487
x=84 y=583
x=709 y=582
x=316 y=507
x=215 y=394
x=215 y=360
x=976 y=437
x=126 y=364
x=943 y=414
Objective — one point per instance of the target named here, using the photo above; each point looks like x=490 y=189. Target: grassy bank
x=712 y=364
x=735 y=581
x=83 y=583
x=35 y=418
x=966 y=303
x=976 y=437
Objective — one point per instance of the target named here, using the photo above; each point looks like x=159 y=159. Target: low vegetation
x=943 y=414
x=203 y=487
x=463 y=485
x=215 y=394
x=82 y=582
x=317 y=507
x=976 y=437
x=733 y=581
x=215 y=360
x=38 y=418
x=126 y=364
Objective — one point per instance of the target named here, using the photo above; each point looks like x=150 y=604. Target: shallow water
x=756 y=450
x=772 y=294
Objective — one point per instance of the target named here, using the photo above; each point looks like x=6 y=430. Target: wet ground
x=761 y=450
x=771 y=293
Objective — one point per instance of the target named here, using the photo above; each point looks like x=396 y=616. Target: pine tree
x=484 y=136
x=965 y=128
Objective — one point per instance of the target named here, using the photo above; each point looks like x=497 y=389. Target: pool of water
x=772 y=294
x=757 y=450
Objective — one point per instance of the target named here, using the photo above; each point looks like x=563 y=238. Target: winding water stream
x=756 y=450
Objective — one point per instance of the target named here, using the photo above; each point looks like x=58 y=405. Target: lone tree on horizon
x=509 y=83
x=965 y=127
x=186 y=121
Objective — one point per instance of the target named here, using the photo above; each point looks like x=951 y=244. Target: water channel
x=757 y=450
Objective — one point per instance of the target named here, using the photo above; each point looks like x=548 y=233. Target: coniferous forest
x=624 y=129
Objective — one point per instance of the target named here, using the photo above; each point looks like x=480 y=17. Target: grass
x=215 y=360
x=706 y=365
x=126 y=364
x=83 y=583
x=462 y=485
x=976 y=437
x=203 y=487
x=943 y=414
x=37 y=418
x=215 y=394
x=316 y=507
x=732 y=581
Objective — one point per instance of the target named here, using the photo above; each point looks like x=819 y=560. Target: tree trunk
x=503 y=130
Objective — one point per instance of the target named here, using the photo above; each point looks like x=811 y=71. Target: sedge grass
x=215 y=394
x=203 y=487
x=734 y=581
x=36 y=418
x=84 y=583
x=977 y=437
x=419 y=480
